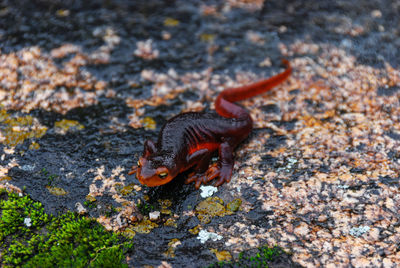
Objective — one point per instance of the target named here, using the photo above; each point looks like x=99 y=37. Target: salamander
x=188 y=140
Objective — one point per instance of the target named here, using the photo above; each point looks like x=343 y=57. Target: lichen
x=195 y=230
x=171 y=22
x=170 y=253
x=34 y=146
x=15 y=130
x=207 y=37
x=171 y=223
x=222 y=255
x=5 y=178
x=209 y=208
x=127 y=189
x=144 y=226
x=149 y=123
x=214 y=206
x=65 y=125
x=233 y=206
x=56 y=190
x=165 y=204
x=129 y=233
x=359 y=231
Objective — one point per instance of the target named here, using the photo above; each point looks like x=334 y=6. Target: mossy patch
x=31 y=238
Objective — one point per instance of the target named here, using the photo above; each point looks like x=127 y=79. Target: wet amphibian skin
x=189 y=139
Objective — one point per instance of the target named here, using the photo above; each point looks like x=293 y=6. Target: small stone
x=154 y=216
x=27 y=222
x=79 y=207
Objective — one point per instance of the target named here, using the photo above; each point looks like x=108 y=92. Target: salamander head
x=155 y=168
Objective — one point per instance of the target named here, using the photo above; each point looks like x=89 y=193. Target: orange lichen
x=149 y=123
x=56 y=190
x=144 y=227
x=170 y=253
x=66 y=125
x=222 y=255
x=195 y=230
x=209 y=208
x=15 y=130
x=171 y=22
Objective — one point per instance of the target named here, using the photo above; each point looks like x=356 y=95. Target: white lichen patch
x=204 y=236
x=359 y=231
x=207 y=191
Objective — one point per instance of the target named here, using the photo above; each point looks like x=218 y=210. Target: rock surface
x=84 y=83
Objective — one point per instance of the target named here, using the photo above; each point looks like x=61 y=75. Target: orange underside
x=211 y=146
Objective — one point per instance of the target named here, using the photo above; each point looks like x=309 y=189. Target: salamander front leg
x=133 y=170
x=223 y=169
x=202 y=159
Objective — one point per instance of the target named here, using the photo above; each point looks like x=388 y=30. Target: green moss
x=90 y=204
x=144 y=207
x=31 y=238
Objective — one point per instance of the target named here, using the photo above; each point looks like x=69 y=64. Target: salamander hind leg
x=221 y=171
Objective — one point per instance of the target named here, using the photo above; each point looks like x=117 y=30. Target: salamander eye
x=163 y=175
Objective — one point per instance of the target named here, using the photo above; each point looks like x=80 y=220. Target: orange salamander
x=188 y=140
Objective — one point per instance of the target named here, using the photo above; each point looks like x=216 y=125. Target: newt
x=188 y=140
